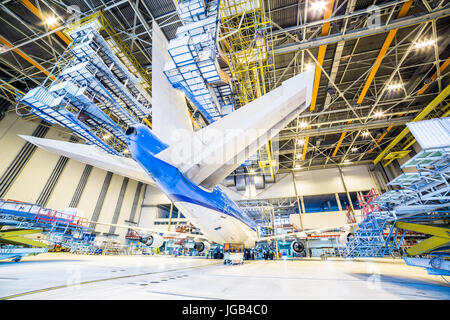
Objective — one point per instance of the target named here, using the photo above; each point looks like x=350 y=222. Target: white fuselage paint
x=218 y=227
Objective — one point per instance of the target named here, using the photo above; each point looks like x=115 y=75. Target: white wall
x=313 y=182
x=36 y=172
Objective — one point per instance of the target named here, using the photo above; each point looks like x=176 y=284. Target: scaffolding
x=194 y=67
x=246 y=46
x=418 y=204
x=100 y=92
x=58 y=227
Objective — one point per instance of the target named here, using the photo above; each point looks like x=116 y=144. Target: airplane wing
x=153 y=230
x=207 y=156
x=90 y=155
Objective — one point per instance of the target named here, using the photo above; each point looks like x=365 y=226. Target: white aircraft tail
x=169 y=109
x=210 y=154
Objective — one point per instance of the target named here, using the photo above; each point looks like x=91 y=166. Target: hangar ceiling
x=380 y=63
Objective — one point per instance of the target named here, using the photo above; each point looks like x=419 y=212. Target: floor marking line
x=99 y=280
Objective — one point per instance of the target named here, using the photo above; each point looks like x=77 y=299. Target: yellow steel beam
x=26 y=57
x=318 y=71
x=16 y=237
x=441 y=237
x=390 y=37
x=38 y=14
x=432 y=230
x=430 y=107
x=434 y=76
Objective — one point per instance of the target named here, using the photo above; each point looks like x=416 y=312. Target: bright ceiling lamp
x=378 y=114
x=51 y=21
x=303 y=125
x=354 y=149
x=395 y=86
x=301 y=142
x=298 y=156
x=423 y=44
x=365 y=134
x=319 y=5
x=309 y=67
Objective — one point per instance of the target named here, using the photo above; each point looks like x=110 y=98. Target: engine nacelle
x=297 y=246
x=153 y=241
x=202 y=246
x=345 y=237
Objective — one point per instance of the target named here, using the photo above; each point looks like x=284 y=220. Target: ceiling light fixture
x=395 y=86
x=303 y=125
x=378 y=114
x=319 y=5
x=354 y=149
x=309 y=67
x=423 y=44
x=365 y=133
x=301 y=142
x=51 y=20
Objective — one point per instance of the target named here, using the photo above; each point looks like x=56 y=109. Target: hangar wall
x=43 y=177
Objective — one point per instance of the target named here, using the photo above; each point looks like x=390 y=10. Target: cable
x=22 y=115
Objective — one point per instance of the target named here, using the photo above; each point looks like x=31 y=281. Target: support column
x=15 y=168
x=101 y=200
x=170 y=216
x=299 y=204
x=80 y=187
x=119 y=203
x=346 y=191
x=135 y=203
x=50 y=185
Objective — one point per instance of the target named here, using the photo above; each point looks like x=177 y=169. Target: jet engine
x=202 y=246
x=345 y=237
x=153 y=241
x=297 y=246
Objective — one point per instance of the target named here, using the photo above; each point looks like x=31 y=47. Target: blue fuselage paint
x=144 y=145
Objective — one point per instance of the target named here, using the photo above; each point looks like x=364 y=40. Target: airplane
x=188 y=166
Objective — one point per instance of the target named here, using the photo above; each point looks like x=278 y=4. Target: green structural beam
x=15 y=236
x=430 y=107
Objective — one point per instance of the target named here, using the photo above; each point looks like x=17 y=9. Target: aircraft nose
x=131 y=131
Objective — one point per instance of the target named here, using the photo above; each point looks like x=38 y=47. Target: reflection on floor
x=65 y=276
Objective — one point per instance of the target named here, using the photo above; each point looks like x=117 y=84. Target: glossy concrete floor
x=66 y=276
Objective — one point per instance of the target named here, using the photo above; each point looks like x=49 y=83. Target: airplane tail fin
x=210 y=154
x=170 y=114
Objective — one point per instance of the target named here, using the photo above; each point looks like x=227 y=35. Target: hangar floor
x=65 y=276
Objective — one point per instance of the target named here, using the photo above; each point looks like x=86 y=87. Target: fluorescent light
x=309 y=67
x=51 y=20
x=395 y=86
x=303 y=125
x=365 y=133
x=378 y=114
x=298 y=156
x=319 y=5
x=423 y=44
x=354 y=149
x=301 y=142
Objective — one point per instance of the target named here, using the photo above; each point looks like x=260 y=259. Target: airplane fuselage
x=217 y=216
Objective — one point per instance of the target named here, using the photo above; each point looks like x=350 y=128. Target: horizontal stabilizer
x=90 y=155
x=210 y=154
